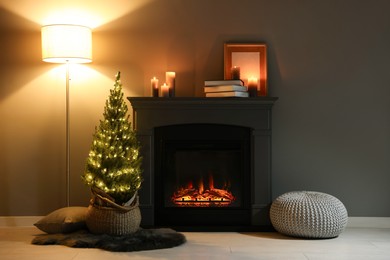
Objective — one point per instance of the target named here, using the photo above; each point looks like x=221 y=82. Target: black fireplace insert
x=202 y=175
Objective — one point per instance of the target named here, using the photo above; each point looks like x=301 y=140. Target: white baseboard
x=368 y=222
x=19 y=221
x=353 y=222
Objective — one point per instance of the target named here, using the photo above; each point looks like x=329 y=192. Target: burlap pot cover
x=113 y=219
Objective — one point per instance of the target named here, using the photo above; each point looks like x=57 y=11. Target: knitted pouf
x=308 y=214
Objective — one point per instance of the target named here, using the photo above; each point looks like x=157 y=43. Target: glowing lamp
x=62 y=43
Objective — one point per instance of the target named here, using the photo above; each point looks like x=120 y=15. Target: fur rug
x=143 y=239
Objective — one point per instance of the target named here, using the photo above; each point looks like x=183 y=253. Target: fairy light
x=114 y=161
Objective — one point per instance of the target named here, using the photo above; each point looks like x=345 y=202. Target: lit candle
x=170 y=80
x=165 y=90
x=154 y=82
x=252 y=86
x=235 y=72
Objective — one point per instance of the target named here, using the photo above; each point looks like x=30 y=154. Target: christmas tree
x=114 y=163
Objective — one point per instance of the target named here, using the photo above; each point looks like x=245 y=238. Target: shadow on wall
x=21 y=54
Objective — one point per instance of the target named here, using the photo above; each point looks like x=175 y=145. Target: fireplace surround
x=235 y=132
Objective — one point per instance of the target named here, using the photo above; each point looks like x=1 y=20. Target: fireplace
x=202 y=175
x=207 y=162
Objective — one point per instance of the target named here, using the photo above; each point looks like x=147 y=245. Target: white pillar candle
x=235 y=71
x=154 y=83
x=252 y=86
x=165 y=90
x=170 y=77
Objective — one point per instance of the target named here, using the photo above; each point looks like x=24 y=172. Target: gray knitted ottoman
x=308 y=214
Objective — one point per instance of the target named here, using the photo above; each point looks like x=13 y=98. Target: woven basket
x=308 y=214
x=106 y=217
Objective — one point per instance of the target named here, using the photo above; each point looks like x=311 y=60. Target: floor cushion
x=308 y=214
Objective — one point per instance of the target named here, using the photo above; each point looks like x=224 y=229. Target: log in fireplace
x=206 y=162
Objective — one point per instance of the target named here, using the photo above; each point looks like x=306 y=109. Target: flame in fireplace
x=201 y=186
x=203 y=195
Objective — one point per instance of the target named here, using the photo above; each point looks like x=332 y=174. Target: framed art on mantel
x=248 y=62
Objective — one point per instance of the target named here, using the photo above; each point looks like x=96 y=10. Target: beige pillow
x=63 y=220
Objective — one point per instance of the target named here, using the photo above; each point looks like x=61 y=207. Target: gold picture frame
x=251 y=59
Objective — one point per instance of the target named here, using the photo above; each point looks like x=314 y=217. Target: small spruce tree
x=114 y=163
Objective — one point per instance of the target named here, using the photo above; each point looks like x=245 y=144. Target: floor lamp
x=65 y=43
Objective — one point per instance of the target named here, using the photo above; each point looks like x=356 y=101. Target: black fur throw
x=143 y=239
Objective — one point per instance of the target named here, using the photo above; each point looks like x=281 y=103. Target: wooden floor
x=354 y=243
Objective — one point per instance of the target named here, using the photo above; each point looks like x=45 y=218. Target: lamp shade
x=63 y=43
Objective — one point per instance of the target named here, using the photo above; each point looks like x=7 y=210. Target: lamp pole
x=67 y=138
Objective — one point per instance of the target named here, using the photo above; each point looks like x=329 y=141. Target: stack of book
x=225 y=88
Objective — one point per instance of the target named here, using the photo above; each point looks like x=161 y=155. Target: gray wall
x=327 y=63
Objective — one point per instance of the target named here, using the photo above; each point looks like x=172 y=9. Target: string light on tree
x=114 y=162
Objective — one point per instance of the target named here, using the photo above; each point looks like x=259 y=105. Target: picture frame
x=251 y=61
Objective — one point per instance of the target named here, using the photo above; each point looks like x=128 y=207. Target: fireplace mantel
x=236 y=111
x=254 y=113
